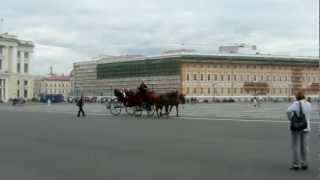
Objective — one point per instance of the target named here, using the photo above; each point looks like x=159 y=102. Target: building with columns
x=15 y=58
x=202 y=76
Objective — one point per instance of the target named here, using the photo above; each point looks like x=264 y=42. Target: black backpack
x=298 y=123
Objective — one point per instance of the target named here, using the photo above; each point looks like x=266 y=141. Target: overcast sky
x=69 y=31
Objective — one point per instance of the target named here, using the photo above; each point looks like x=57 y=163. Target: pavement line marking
x=185 y=117
x=239 y=120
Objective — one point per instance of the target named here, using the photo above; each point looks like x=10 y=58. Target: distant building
x=55 y=85
x=201 y=75
x=37 y=86
x=15 y=59
x=238 y=49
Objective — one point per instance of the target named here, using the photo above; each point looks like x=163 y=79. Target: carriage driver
x=143 y=86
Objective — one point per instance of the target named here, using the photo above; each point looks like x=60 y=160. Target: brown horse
x=171 y=99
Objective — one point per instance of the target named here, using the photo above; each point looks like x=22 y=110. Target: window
x=215 y=77
x=188 y=90
x=195 y=91
x=195 y=77
x=1 y=50
x=188 y=77
x=235 y=77
x=0 y=63
x=19 y=54
x=201 y=77
x=18 y=67
x=209 y=77
x=26 y=68
x=26 y=55
x=26 y=83
x=25 y=95
x=221 y=77
x=209 y=91
x=201 y=90
x=18 y=93
x=18 y=82
x=229 y=78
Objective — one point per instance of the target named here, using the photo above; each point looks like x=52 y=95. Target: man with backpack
x=299 y=116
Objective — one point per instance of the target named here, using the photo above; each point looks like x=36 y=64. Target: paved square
x=209 y=141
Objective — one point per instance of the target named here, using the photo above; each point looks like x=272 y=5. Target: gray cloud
x=69 y=31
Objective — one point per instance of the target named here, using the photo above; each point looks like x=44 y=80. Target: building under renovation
x=199 y=75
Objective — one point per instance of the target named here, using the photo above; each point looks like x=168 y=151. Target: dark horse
x=169 y=100
x=142 y=96
x=129 y=98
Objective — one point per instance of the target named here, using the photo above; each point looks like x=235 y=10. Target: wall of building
x=204 y=76
x=11 y=47
x=127 y=75
x=224 y=79
x=55 y=87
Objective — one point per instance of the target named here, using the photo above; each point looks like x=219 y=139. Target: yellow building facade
x=56 y=85
x=240 y=77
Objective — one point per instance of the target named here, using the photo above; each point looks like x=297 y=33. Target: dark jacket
x=80 y=102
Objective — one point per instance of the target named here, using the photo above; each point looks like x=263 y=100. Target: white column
x=22 y=62
x=6 y=54
x=4 y=89
x=14 y=60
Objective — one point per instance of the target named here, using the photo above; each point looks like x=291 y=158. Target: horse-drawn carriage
x=136 y=102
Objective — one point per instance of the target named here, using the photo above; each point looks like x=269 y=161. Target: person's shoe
x=304 y=167
x=294 y=167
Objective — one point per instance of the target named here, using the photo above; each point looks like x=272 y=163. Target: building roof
x=12 y=38
x=198 y=57
x=57 y=78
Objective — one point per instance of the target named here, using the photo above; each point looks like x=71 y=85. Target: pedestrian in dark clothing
x=80 y=104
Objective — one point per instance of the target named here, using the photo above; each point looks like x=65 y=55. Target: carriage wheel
x=138 y=111
x=150 y=113
x=130 y=110
x=115 y=107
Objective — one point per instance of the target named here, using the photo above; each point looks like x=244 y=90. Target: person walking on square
x=255 y=102
x=299 y=116
x=80 y=104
